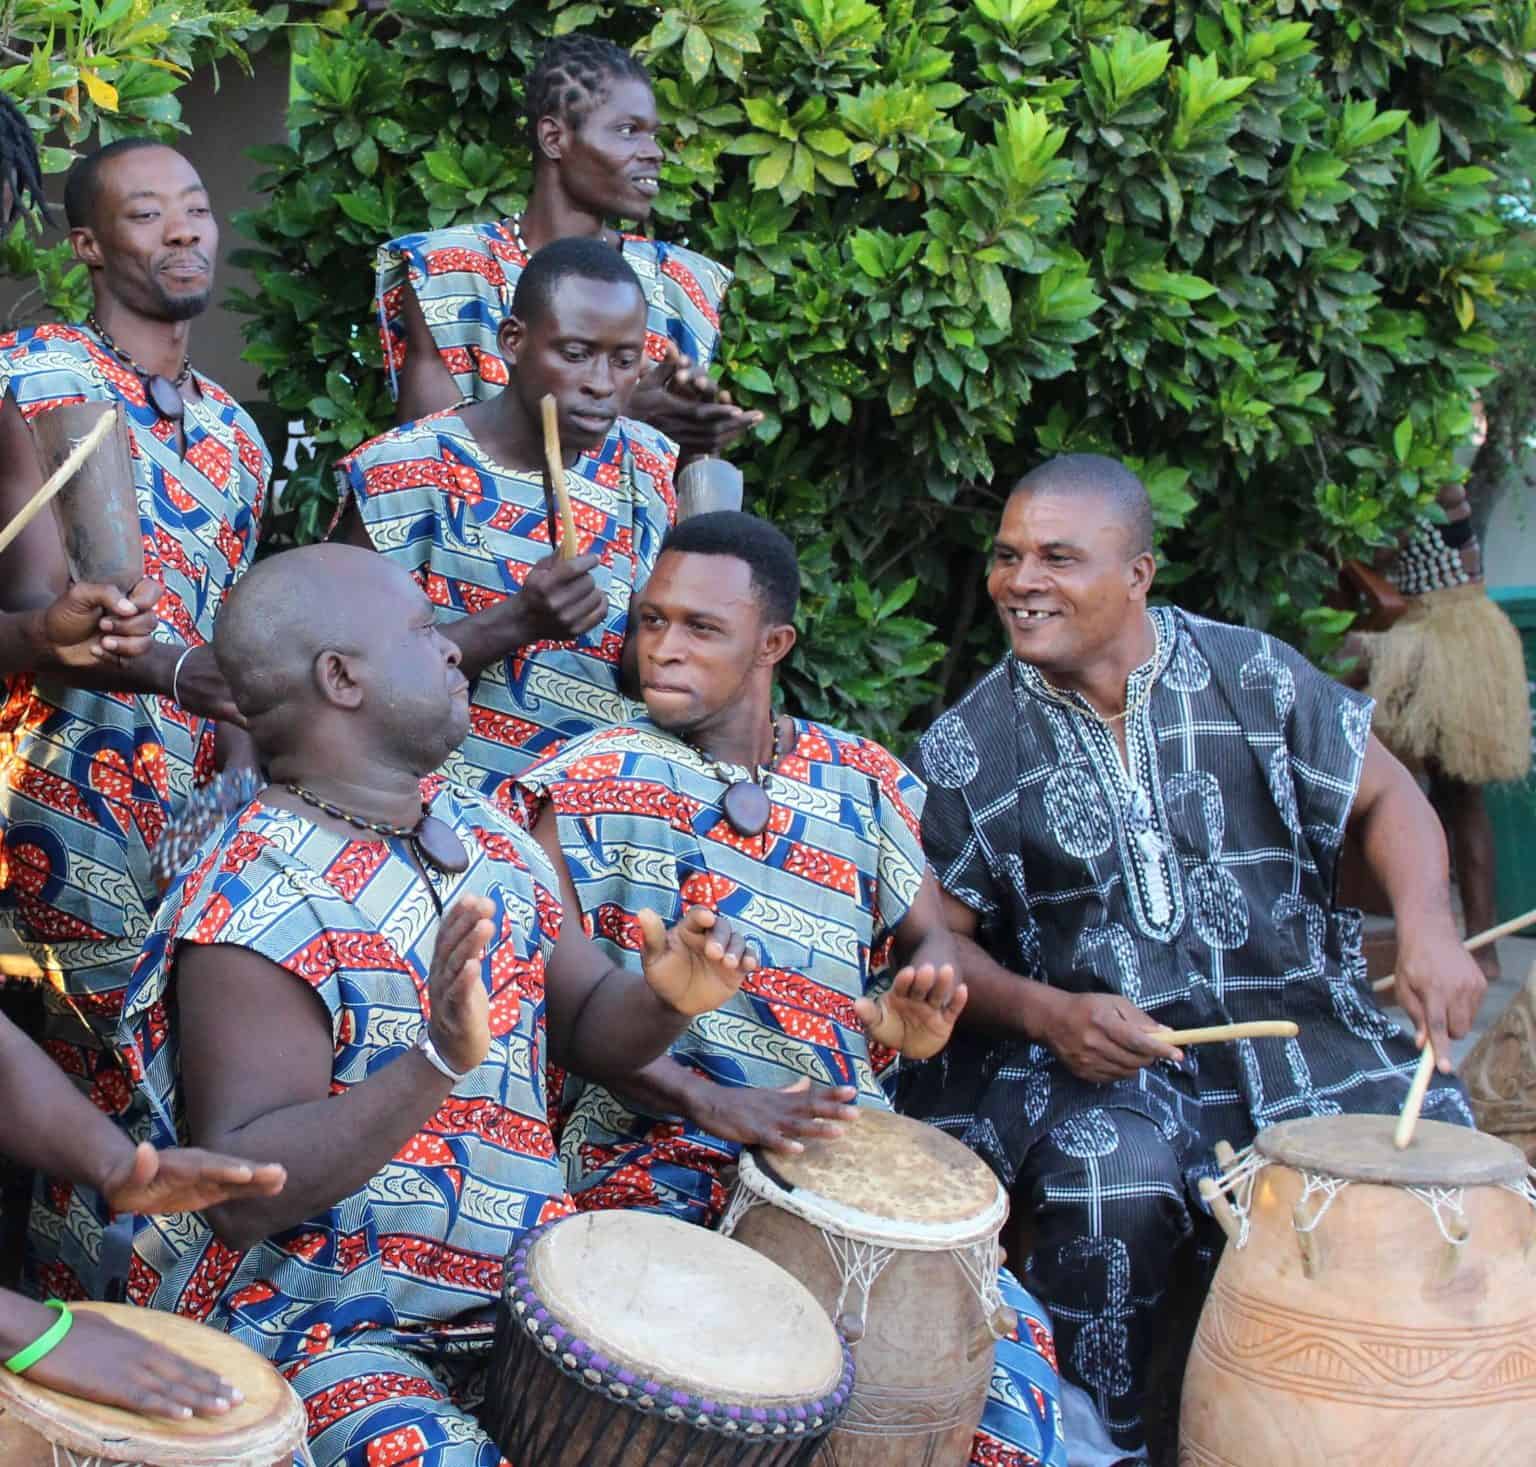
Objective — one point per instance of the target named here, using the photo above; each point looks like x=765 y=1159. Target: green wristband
x=45 y=1343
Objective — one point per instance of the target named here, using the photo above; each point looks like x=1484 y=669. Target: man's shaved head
x=1075 y=474
x=335 y=631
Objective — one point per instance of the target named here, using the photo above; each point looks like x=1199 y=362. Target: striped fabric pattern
x=411 y=1262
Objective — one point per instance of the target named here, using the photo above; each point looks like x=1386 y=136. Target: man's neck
x=370 y=789
x=157 y=347
x=505 y=429
x=1103 y=681
x=552 y=214
x=741 y=734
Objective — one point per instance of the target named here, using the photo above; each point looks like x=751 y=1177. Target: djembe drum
x=1372 y=1305
x=894 y=1227
x=44 y=1428
x=626 y=1339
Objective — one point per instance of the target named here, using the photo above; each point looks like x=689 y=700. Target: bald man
x=99 y=757
x=363 y=977
x=1136 y=819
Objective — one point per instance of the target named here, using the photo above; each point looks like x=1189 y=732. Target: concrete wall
x=1509 y=545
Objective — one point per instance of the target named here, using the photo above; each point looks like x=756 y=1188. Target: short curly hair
x=19 y=164
x=572 y=77
x=764 y=548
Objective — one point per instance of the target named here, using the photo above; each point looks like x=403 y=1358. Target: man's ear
x=508 y=338
x=86 y=247
x=1143 y=572
x=775 y=645
x=552 y=137
x=335 y=679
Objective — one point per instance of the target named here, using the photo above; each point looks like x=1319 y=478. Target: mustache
x=185 y=257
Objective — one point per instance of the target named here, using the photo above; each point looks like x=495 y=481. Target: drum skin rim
x=63 y=1421
x=1358 y=1148
x=854 y=1222
x=604 y=1374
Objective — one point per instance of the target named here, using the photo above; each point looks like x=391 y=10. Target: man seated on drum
x=364 y=977
x=458 y=500
x=1136 y=819
x=806 y=837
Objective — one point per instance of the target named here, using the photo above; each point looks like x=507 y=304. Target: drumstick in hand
x=1493 y=934
x=1221 y=1033
x=1415 y=1102
x=60 y=476
x=554 y=476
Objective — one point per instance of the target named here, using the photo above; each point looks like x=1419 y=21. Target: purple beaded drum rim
x=586 y=1364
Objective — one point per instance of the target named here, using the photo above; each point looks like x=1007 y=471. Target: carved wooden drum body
x=627 y=1339
x=893 y=1226
x=1372 y=1307
x=43 y=1428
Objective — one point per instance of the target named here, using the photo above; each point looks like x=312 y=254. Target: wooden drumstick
x=59 y=477
x=1415 y=1102
x=1493 y=934
x=1220 y=1033
x=554 y=476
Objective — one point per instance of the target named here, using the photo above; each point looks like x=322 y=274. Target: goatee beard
x=184 y=307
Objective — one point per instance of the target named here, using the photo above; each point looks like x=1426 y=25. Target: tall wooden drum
x=1373 y=1307
x=43 y=1428
x=97 y=512
x=631 y=1340
x=893 y=1226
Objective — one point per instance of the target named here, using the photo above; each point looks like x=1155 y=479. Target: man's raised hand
x=90 y=624
x=696 y=966
x=461 y=1011
x=917 y=1014
x=560 y=600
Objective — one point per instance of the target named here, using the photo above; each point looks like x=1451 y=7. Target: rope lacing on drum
x=1237 y=1182
x=1525 y=1188
x=742 y=1202
x=980 y=1264
x=1314 y=1182
x=1445 y=1202
x=858 y=1263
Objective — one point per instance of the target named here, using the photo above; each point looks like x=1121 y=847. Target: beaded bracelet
x=46 y=1343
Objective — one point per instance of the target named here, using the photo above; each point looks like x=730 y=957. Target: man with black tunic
x=1136 y=819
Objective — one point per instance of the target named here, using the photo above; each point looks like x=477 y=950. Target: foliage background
x=84 y=72
x=1252 y=247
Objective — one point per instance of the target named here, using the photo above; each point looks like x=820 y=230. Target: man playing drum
x=364 y=976
x=458 y=500
x=442 y=296
x=98 y=757
x=806 y=837
x=1136 y=819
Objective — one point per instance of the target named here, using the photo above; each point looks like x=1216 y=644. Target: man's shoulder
x=437 y=247
x=599 y=754
x=52 y=346
x=420 y=438
x=647 y=443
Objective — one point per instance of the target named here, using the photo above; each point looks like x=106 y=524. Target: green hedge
x=1251 y=247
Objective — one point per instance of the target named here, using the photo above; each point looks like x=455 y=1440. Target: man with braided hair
x=442 y=296
x=21 y=176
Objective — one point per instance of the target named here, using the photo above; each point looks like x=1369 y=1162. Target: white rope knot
x=1238 y=1182
x=1446 y=1203
x=1313 y=1183
x=858 y=1263
x=980 y=1264
x=742 y=1202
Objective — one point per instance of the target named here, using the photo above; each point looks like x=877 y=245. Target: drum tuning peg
x=1226 y=1157
x=1221 y=1208
x=1306 y=1240
x=1005 y=1321
x=850 y=1327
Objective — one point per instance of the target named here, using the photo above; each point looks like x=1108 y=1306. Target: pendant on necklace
x=439 y=843
x=164 y=397
x=747 y=807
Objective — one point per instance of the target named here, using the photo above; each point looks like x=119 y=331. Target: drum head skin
x=1360 y=1149
x=683 y=1307
x=265 y=1427
x=886 y=1179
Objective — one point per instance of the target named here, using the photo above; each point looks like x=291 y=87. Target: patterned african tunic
x=464 y=278
x=88 y=781
x=1199 y=884
x=360 y=1305
x=818 y=895
x=470 y=530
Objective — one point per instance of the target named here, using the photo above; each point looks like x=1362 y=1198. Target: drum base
x=20 y=1446
x=574 y=1426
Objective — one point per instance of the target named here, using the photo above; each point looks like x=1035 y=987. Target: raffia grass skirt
x=1450 y=686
